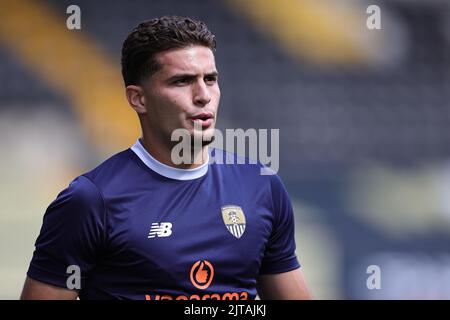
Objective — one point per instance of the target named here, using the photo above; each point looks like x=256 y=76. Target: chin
x=207 y=136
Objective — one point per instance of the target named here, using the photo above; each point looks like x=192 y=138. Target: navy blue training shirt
x=138 y=229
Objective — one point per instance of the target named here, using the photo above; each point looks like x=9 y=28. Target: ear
x=136 y=98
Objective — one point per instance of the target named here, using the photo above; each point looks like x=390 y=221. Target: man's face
x=182 y=92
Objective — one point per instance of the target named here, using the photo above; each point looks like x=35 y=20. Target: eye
x=181 y=81
x=211 y=79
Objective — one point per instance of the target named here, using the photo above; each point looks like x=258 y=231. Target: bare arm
x=283 y=286
x=36 y=290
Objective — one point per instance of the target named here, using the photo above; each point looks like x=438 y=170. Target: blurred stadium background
x=363 y=114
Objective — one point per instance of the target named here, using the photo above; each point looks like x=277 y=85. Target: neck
x=162 y=152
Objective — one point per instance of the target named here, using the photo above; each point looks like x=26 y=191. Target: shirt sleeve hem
x=47 y=277
x=281 y=267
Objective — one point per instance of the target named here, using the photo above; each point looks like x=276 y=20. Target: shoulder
x=80 y=193
x=114 y=165
x=80 y=203
x=247 y=174
x=243 y=166
x=86 y=188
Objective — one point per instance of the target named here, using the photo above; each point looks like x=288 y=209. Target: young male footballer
x=141 y=227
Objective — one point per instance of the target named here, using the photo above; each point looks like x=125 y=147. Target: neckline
x=165 y=170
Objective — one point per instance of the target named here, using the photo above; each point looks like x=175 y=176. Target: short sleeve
x=72 y=233
x=280 y=254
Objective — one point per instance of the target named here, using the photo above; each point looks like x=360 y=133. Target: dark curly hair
x=157 y=35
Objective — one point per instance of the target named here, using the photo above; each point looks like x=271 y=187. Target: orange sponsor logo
x=202 y=274
x=213 y=296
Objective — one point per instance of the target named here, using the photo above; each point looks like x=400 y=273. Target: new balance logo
x=163 y=229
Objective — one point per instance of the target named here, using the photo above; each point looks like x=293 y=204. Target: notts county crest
x=234 y=220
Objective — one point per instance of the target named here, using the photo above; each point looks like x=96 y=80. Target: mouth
x=205 y=119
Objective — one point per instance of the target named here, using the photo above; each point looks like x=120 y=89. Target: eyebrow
x=190 y=76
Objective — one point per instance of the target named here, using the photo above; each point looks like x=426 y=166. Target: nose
x=202 y=95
